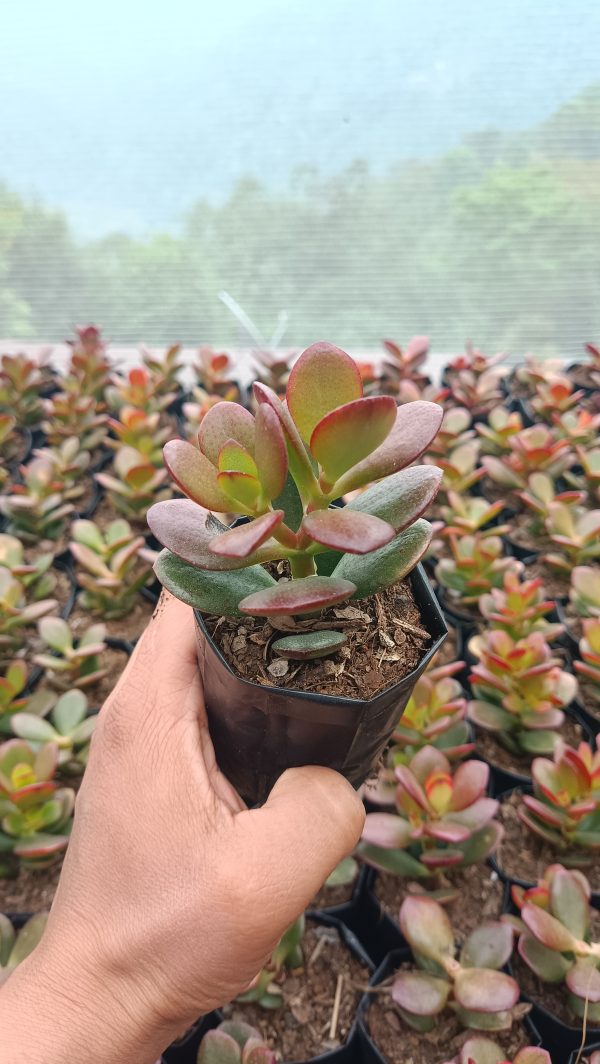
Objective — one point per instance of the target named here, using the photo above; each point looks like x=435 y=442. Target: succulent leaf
x=323 y=378
x=211 y=592
x=485 y=990
x=349 y=433
x=420 y=993
x=386 y=566
x=308 y=645
x=488 y=946
x=401 y=498
x=306 y=595
x=242 y=541
x=415 y=426
x=195 y=475
x=427 y=929
x=353 y=533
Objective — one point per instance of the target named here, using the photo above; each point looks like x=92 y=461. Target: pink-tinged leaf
x=477 y=815
x=470 y=782
x=233 y=458
x=427 y=761
x=426 y=928
x=242 y=541
x=188 y=530
x=420 y=993
x=299 y=461
x=531 y=1055
x=415 y=427
x=547 y=929
x=483 y=990
x=349 y=433
x=40 y=845
x=241 y=489
x=323 y=378
x=442 y=858
x=548 y=813
x=409 y=783
x=549 y=965
x=446 y=831
x=386 y=830
x=195 y=475
x=489 y=946
x=583 y=979
x=386 y=566
x=307 y=595
x=270 y=451
x=256 y=1052
x=217 y=1047
x=480 y=1050
x=401 y=498
x=225 y=421
x=351 y=532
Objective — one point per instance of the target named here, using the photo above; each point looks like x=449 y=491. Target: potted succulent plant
x=294 y=670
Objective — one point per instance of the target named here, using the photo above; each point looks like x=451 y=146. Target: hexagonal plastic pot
x=259 y=732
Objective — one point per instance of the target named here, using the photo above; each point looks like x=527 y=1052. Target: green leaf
x=290 y=502
x=217 y=1047
x=308 y=645
x=28 y=938
x=235 y=458
x=489 y=946
x=569 y=903
x=482 y=1050
x=420 y=994
x=271 y=451
x=241 y=489
x=210 y=592
x=343 y=874
x=398 y=862
x=401 y=498
x=33 y=729
x=549 y=965
x=306 y=595
x=483 y=990
x=583 y=979
x=489 y=716
x=349 y=433
x=537 y=742
x=323 y=378
x=426 y=928
x=69 y=711
x=56 y=633
x=386 y=566
x=195 y=475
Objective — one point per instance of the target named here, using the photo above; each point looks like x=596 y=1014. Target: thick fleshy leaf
x=398 y=862
x=386 y=566
x=343 y=874
x=476 y=815
x=386 y=830
x=308 y=645
x=241 y=489
x=87 y=533
x=240 y=1031
x=401 y=498
x=270 y=451
x=28 y=938
x=256 y=1052
x=298 y=458
x=426 y=928
x=548 y=964
x=583 y=979
x=40 y=845
x=349 y=433
x=420 y=993
x=225 y=421
x=547 y=929
x=481 y=843
x=195 y=475
x=188 y=530
x=483 y=990
x=233 y=458
x=69 y=711
x=446 y=831
x=531 y=1055
x=33 y=729
x=242 y=541
x=415 y=427
x=353 y=533
x=307 y=595
x=482 y=1050
x=56 y=633
x=489 y=716
x=569 y=903
x=469 y=784
x=217 y=1047
x=211 y=592
x=323 y=378
x=448 y=857
x=488 y=946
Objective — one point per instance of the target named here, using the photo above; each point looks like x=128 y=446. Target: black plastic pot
x=464 y=622
x=592 y=722
x=575 y=1058
x=259 y=732
x=375 y=930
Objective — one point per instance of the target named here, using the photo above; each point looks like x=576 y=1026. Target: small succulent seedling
x=68 y=415
x=454 y=431
x=461 y=467
x=140 y=390
x=555 y=938
x=537 y=449
x=580 y=427
x=134 y=483
x=68 y=726
x=473 y=359
x=575 y=533
x=466 y=514
x=21 y=382
x=584 y=593
x=520 y=691
x=519 y=608
x=35 y=814
x=434 y=716
x=13 y=701
x=535 y=371
x=74 y=663
x=89 y=368
x=443 y=819
x=589 y=650
x=19 y=608
x=141 y=431
x=15 y=946
x=590 y=463
x=234 y=1042
x=70 y=464
x=406 y=364
x=8 y=444
x=195 y=411
x=495 y=434
x=564 y=809
x=482 y=1050
x=164 y=371
x=539 y=497
x=217 y=374
x=112 y=566
x=36 y=577
x=478 y=392
x=282 y=470
x=478 y=564
x=38 y=507
x=555 y=396
x=481 y=996
x=266 y=991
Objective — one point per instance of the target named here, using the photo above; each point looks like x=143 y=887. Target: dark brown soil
x=496 y=492
x=551 y=996
x=589 y=696
x=521 y=534
x=31 y=891
x=488 y=747
x=386 y=641
x=480 y=895
x=128 y=628
x=448 y=653
x=329 y=896
x=301 y=1028
x=522 y=855
x=556 y=586
x=401 y=1045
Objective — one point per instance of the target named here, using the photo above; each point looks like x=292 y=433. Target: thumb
x=311 y=820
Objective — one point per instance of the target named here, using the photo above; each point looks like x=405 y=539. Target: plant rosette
x=281 y=471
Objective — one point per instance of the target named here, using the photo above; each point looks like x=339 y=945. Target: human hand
x=173 y=894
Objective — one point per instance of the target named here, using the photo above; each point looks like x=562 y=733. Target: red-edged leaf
x=584 y=980
x=240 y=542
x=401 y=498
x=323 y=378
x=349 y=433
x=439 y=858
x=415 y=427
x=446 y=831
x=225 y=421
x=387 y=830
x=270 y=451
x=188 y=530
x=195 y=475
x=307 y=595
x=549 y=931
x=40 y=846
x=299 y=461
x=353 y=533
x=469 y=784
x=426 y=928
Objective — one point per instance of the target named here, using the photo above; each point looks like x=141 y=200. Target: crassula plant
x=138 y=389
x=67 y=415
x=534 y=449
x=434 y=716
x=468 y=514
x=443 y=819
x=584 y=593
x=35 y=813
x=38 y=507
x=406 y=364
x=21 y=383
x=478 y=392
x=36 y=576
x=68 y=726
x=496 y=433
x=564 y=809
x=12 y=699
x=266 y=991
x=555 y=396
x=15 y=946
x=482 y=1050
x=19 y=609
x=453 y=432
x=282 y=470
x=141 y=431
x=477 y=564
x=89 y=368
x=217 y=374
x=482 y=997
x=589 y=651
x=539 y=497
x=164 y=369
x=134 y=483
x=519 y=691
x=575 y=535
x=74 y=662
x=461 y=467
x=112 y=566
x=555 y=938
x=519 y=608
x=234 y=1042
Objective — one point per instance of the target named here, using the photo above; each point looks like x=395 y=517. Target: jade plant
x=575 y=533
x=139 y=389
x=478 y=392
x=216 y=373
x=8 y=444
x=453 y=432
x=21 y=383
x=564 y=809
x=70 y=463
x=496 y=433
x=15 y=946
x=36 y=576
x=141 y=431
x=555 y=396
x=406 y=364
x=538 y=498
x=461 y=468
x=537 y=449
x=234 y=1042
x=589 y=650
x=282 y=470
x=195 y=410
x=580 y=426
x=266 y=990
x=67 y=415
x=13 y=700
x=74 y=662
x=555 y=939
x=112 y=566
x=584 y=593
x=482 y=997
x=434 y=716
x=68 y=726
x=520 y=691
x=471 y=513
x=38 y=507
x=482 y=1050
x=535 y=371
x=443 y=819
x=35 y=813
x=477 y=564
x=164 y=370
x=590 y=463
x=19 y=609
x=89 y=368
x=134 y=483
x=519 y=608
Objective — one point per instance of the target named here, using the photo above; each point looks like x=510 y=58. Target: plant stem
x=302 y=565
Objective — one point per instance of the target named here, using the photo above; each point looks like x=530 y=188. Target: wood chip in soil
x=522 y=855
x=399 y=1044
x=386 y=640
x=488 y=747
x=301 y=1028
x=480 y=895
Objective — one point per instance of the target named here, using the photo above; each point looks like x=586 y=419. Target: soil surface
x=401 y=1045
x=522 y=855
x=386 y=640
x=31 y=891
x=329 y=896
x=589 y=696
x=556 y=586
x=128 y=628
x=480 y=895
x=521 y=534
x=489 y=748
x=496 y=492
x=301 y=1029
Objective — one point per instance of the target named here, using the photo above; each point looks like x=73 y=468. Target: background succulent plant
x=112 y=566
x=68 y=726
x=13 y=700
x=519 y=608
x=234 y=1042
x=266 y=991
x=15 y=946
x=75 y=662
x=564 y=809
x=477 y=564
x=434 y=716
x=35 y=814
x=481 y=1050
